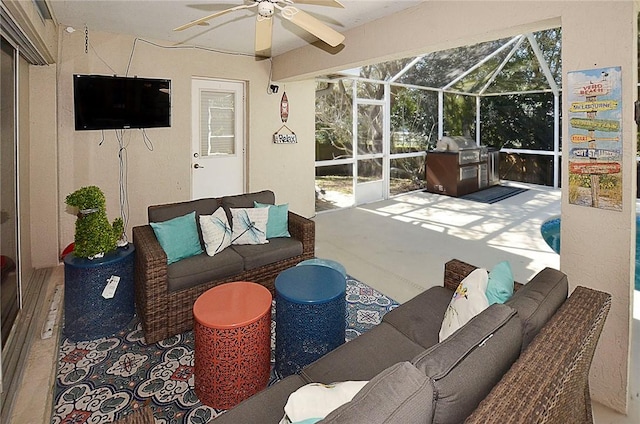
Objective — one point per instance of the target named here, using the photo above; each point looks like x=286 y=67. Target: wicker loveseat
x=164 y=294
x=525 y=362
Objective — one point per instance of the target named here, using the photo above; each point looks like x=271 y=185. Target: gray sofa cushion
x=246 y=201
x=203 y=268
x=401 y=394
x=465 y=366
x=160 y=213
x=538 y=300
x=278 y=249
x=265 y=407
x=421 y=317
x=363 y=357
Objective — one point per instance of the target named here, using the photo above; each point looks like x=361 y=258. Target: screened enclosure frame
x=476 y=82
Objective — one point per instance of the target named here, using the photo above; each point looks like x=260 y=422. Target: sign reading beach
x=595 y=150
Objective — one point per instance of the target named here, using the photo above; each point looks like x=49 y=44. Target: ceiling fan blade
x=263 y=36
x=312 y=25
x=328 y=3
x=213 y=15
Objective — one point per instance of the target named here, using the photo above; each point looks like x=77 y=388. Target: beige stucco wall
x=163 y=174
x=43 y=195
x=42 y=33
x=597 y=246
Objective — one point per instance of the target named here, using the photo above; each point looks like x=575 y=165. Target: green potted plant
x=94 y=235
x=98 y=278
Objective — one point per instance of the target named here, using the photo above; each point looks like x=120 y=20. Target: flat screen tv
x=108 y=102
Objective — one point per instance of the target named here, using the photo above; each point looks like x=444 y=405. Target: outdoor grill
x=458 y=166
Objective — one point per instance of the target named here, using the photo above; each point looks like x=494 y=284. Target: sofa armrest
x=550 y=380
x=456 y=270
x=304 y=230
x=150 y=278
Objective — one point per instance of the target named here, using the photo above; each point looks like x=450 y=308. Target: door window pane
x=370 y=129
x=369 y=170
x=217 y=123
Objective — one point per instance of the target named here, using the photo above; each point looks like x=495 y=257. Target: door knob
x=197 y=166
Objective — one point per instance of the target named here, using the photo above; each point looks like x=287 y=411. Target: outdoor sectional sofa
x=525 y=361
x=164 y=294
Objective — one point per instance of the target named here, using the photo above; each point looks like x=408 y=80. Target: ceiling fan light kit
x=265 y=9
x=264 y=21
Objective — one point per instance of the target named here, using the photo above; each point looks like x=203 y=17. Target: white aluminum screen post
x=478 y=141
x=440 y=114
x=386 y=141
x=556 y=140
x=354 y=138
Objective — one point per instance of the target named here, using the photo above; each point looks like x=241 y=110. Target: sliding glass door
x=9 y=294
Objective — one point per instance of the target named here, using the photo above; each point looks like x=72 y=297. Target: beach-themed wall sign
x=289 y=136
x=595 y=138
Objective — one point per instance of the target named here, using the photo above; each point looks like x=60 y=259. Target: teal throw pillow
x=500 y=285
x=278 y=222
x=178 y=237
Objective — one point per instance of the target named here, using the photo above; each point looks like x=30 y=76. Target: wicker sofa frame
x=549 y=383
x=164 y=313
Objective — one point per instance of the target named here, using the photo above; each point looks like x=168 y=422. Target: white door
x=218 y=141
x=371 y=174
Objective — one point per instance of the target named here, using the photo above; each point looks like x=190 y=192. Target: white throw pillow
x=216 y=231
x=249 y=225
x=317 y=400
x=468 y=301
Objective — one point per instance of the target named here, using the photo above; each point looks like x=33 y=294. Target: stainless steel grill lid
x=454 y=143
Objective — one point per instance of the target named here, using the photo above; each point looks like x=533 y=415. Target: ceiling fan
x=264 y=21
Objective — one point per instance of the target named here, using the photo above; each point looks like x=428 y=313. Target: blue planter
x=87 y=314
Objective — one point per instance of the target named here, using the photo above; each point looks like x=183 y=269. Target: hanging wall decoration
x=289 y=136
x=595 y=135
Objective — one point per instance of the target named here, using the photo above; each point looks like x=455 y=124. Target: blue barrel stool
x=310 y=315
x=87 y=314
x=326 y=262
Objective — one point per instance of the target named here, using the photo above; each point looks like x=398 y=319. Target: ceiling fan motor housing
x=265 y=8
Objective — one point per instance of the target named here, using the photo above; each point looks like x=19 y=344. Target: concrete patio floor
x=399 y=247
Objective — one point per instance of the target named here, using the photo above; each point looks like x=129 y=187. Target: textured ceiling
x=232 y=32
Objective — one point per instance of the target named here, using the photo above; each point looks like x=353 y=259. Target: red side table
x=232 y=331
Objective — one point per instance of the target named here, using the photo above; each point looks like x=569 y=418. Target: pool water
x=550 y=231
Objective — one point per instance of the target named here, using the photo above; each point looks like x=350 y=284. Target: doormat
x=494 y=194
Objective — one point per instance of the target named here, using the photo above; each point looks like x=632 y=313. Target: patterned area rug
x=103 y=380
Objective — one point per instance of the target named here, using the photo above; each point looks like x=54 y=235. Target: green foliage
x=94 y=234
x=413 y=119
x=463 y=109
x=518 y=121
x=334 y=120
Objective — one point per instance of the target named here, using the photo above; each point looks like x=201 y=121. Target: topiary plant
x=94 y=235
